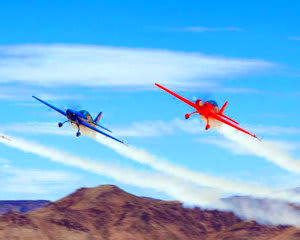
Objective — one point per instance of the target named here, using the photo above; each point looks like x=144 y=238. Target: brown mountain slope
x=107 y=212
x=21 y=206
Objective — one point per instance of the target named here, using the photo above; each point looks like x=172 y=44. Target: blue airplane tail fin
x=97 y=119
x=96 y=122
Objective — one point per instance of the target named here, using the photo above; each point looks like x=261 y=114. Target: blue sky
x=107 y=55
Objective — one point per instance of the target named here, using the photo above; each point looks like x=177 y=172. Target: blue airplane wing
x=99 y=131
x=49 y=105
x=102 y=127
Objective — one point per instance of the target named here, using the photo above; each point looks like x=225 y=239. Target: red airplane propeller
x=209 y=110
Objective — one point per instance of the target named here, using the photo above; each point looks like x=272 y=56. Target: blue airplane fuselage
x=75 y=117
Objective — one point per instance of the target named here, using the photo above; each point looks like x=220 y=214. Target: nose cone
x=69 y=111
x=71 y=114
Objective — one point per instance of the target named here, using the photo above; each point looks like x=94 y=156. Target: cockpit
x=86 y=114
x=212 y=102
x=215 y=104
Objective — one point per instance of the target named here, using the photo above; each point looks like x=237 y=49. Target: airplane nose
x=70 y=113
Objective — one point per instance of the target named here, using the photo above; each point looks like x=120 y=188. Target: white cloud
x=34 y=182
x=38 y=128
x=143 y=129
x=98 y=66
x=294 y=38
x=159 y=128
x=22 y=93
x=273 y=130
x=136 y=129
x=192 y=126
x=287 y=146
x=198 y=29
x=223 y=143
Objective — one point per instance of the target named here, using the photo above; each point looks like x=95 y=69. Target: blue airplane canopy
x=213 y=103
x=86 y=114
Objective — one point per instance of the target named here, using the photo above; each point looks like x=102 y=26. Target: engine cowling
x=199 y=102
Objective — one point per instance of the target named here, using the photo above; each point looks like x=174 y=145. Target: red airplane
x=209 y=110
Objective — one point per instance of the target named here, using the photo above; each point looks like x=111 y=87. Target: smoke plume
x=198 y=178
x=187 y=193
x=263 y=149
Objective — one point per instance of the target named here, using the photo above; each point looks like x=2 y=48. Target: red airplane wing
x=177 y=96
x=215 y=116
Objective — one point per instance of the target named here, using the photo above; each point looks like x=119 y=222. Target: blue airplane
x=81 y=118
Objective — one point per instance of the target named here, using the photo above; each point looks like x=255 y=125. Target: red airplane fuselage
x=209 y=110
x=206 y=109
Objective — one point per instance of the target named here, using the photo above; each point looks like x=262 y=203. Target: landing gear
x=61 y=124
x=207 y=125
x=187 y=116
x=78 y=134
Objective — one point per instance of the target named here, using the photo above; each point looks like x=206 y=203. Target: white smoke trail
x=265 y=211
x=261 y=148
x=198 y=178
x=185 y=192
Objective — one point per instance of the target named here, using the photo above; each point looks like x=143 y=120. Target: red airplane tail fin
x=223 y=108
x=221 y=113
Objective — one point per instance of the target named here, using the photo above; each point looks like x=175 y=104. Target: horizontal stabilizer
x=229 y=119
x=98 y=125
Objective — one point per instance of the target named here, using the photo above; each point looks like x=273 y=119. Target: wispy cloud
x=199 y=29
x=23 y=93
x=100 y=66
x=143 y=129
x=223 y=143
x=192 y=126
x=34 y=182
x=136 y=129
x=294 y=38
x=287 y=146
x=38 y=128
x=159 y=128
x=273 y=130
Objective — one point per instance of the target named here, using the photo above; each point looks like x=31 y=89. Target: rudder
x=223 y=108
x=97 y=119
